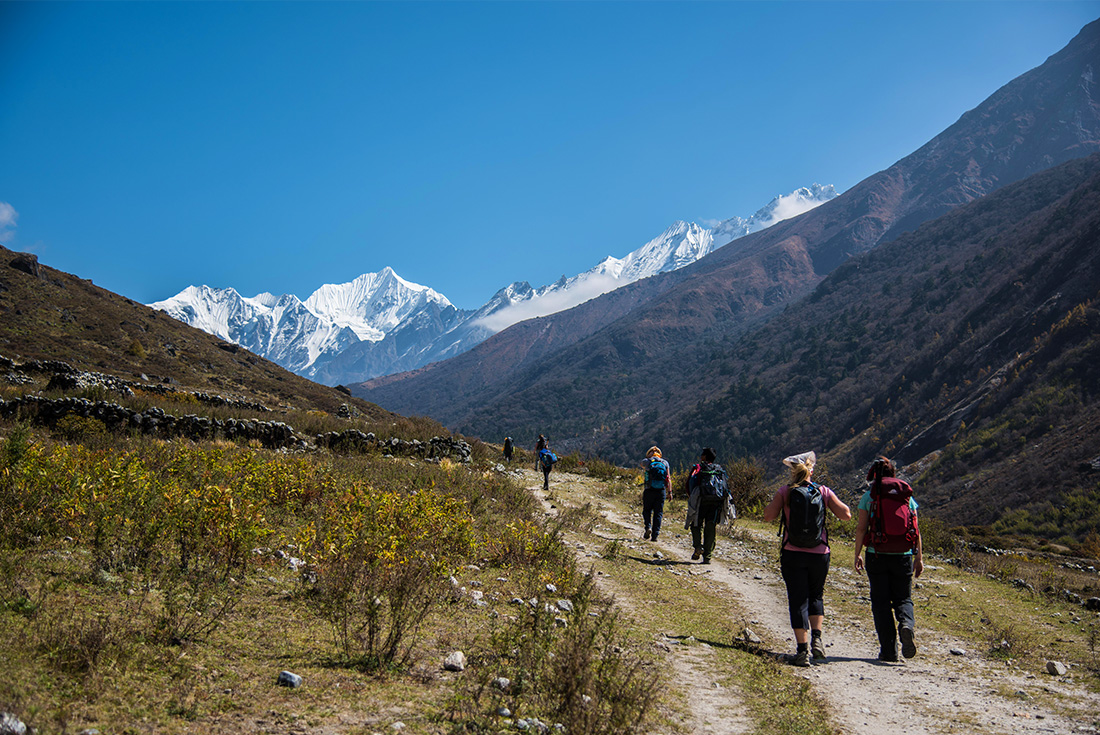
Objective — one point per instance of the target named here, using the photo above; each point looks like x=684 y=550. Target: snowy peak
x=373 y=304
x=681 y=244
x=379 y=323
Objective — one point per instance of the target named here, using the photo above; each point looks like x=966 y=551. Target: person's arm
x=668 y=481
x=775 y=507
x=918 y=553
x=861 y=531
x=837 y=506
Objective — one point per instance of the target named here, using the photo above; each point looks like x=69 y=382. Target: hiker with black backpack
x=887 y=526
x=658 y=488
x=509 y=449
x=804 y=553
x=708 y=503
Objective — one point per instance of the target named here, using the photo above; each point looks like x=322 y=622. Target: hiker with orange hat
x=658 y=488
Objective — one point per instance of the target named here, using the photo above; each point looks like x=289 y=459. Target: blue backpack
x=547 y=458
x=656 y=474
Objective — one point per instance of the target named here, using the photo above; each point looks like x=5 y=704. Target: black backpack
x=712 y=484
x=806 y=527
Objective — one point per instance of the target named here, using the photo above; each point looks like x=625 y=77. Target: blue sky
x=278 y=146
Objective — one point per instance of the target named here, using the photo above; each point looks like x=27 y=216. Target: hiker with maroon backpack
x=804 y=554
x=887 y=526
x=658 y=488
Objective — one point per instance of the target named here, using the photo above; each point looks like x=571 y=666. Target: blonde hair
x=654 y=452
x=802 y=466
x=800 y=473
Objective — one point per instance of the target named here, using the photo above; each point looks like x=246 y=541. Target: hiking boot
x=908 y=645
x=695 y=556
x=654 y=537
x=645 y=536
x=817 y=648
x=706 y=560
x=888 y=656
x=802 y=658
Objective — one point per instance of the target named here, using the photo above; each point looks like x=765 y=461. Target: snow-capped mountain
x=681 y=244
x=302 y=335
x=380 y=323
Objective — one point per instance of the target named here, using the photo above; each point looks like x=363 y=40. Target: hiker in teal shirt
x=887 y=526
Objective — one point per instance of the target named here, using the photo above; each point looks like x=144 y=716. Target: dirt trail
x=935 y=692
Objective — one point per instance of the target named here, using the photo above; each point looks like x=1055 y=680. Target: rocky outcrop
x=26 y=262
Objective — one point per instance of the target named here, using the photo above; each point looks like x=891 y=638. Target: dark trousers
x=546 y=478
x=707 y=528
x=653 y=509
x=804 y=574
x=891 y=579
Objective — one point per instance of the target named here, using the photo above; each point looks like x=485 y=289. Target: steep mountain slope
x=654 y=335
x=968 y=350
x=46 y=314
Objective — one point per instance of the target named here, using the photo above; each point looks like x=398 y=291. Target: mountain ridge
x=399 y=325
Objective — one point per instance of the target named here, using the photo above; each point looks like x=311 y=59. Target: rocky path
x=938 y=691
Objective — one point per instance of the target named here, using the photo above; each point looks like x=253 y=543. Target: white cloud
x=8 y=218
x=791 y=205
x=551 y=303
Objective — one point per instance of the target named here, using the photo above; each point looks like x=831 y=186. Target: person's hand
x=918 y=566
x=858 y=563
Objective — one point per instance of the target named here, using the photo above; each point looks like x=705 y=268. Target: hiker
x=887 y=526
x=539 y=446
x=509 y=448
x=804 y=555
x=546 y=460
x=707 y=501
x=658 y=488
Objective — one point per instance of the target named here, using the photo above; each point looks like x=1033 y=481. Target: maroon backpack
x=893 y=525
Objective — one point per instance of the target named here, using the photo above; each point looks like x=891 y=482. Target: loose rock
x=11 y=725
x=289 y=679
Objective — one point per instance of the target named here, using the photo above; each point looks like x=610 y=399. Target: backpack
x=806 y=525
x=656 y=474
x=547 y=459
x=892 y=528
x=712 y=484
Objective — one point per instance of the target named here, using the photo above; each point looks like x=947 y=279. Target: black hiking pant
x=653 y=509
x=546 y=479
x=804 y=574
x=890 y=577
x=707 y=528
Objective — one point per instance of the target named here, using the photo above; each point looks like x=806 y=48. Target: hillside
x=967 y=349
x=46 y=314
x=618 y=356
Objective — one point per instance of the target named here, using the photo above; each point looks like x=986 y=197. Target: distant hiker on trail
x=546 y=460
x=887 y=526
x=707 y=503
x=804 y=555
x=658 y=488
x=539 y=446
x=509 y=448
